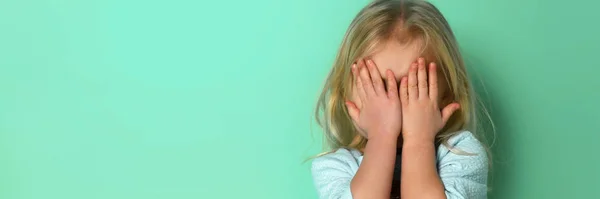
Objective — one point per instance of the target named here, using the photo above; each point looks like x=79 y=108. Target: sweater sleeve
x=332 y=174
x=464 y=175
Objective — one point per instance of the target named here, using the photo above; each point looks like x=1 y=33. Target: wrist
x=417 y=141
x=384 y=140
x=382 y=135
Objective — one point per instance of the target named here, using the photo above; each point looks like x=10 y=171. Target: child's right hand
x=381 y=111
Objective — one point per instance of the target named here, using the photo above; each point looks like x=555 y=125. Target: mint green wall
x=213 y=99
x=537 y=60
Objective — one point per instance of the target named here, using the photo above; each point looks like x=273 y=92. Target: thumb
x=352 y=110
x=448 y=111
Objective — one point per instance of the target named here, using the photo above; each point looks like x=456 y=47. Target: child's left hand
x=422 y=118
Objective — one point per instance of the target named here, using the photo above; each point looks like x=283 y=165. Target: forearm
x=374 y=176
x=420 y=178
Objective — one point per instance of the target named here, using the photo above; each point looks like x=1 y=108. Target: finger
x=358 y=84
x=365 y=78
x=422 y=79
x=433 y=82
x=448 y=111
x=413 y=91
x=353 y=110
x=392 y=86
x=375 y=77
x=404 y=91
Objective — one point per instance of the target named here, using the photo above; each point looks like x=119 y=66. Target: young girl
x=398 y=110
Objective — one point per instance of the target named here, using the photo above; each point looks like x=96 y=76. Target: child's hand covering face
x=380 y=114
x=381 y=106
x=419 y=97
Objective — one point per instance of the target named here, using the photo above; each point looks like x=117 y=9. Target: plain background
x=127 y=99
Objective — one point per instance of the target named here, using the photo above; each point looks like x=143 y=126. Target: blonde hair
x=405 y=21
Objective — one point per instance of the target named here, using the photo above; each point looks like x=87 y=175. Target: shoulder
x=463 y=154
x=463 y=166
x=333 y=172
x=342 y=160
x=463 y=142
x=463 y=151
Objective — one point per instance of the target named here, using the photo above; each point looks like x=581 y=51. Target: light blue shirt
x=463 y=176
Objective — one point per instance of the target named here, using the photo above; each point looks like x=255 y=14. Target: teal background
x=213 y=99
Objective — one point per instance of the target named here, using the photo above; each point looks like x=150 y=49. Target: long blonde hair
x=377 y=23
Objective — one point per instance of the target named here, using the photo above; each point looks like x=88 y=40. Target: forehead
x=396 y=56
